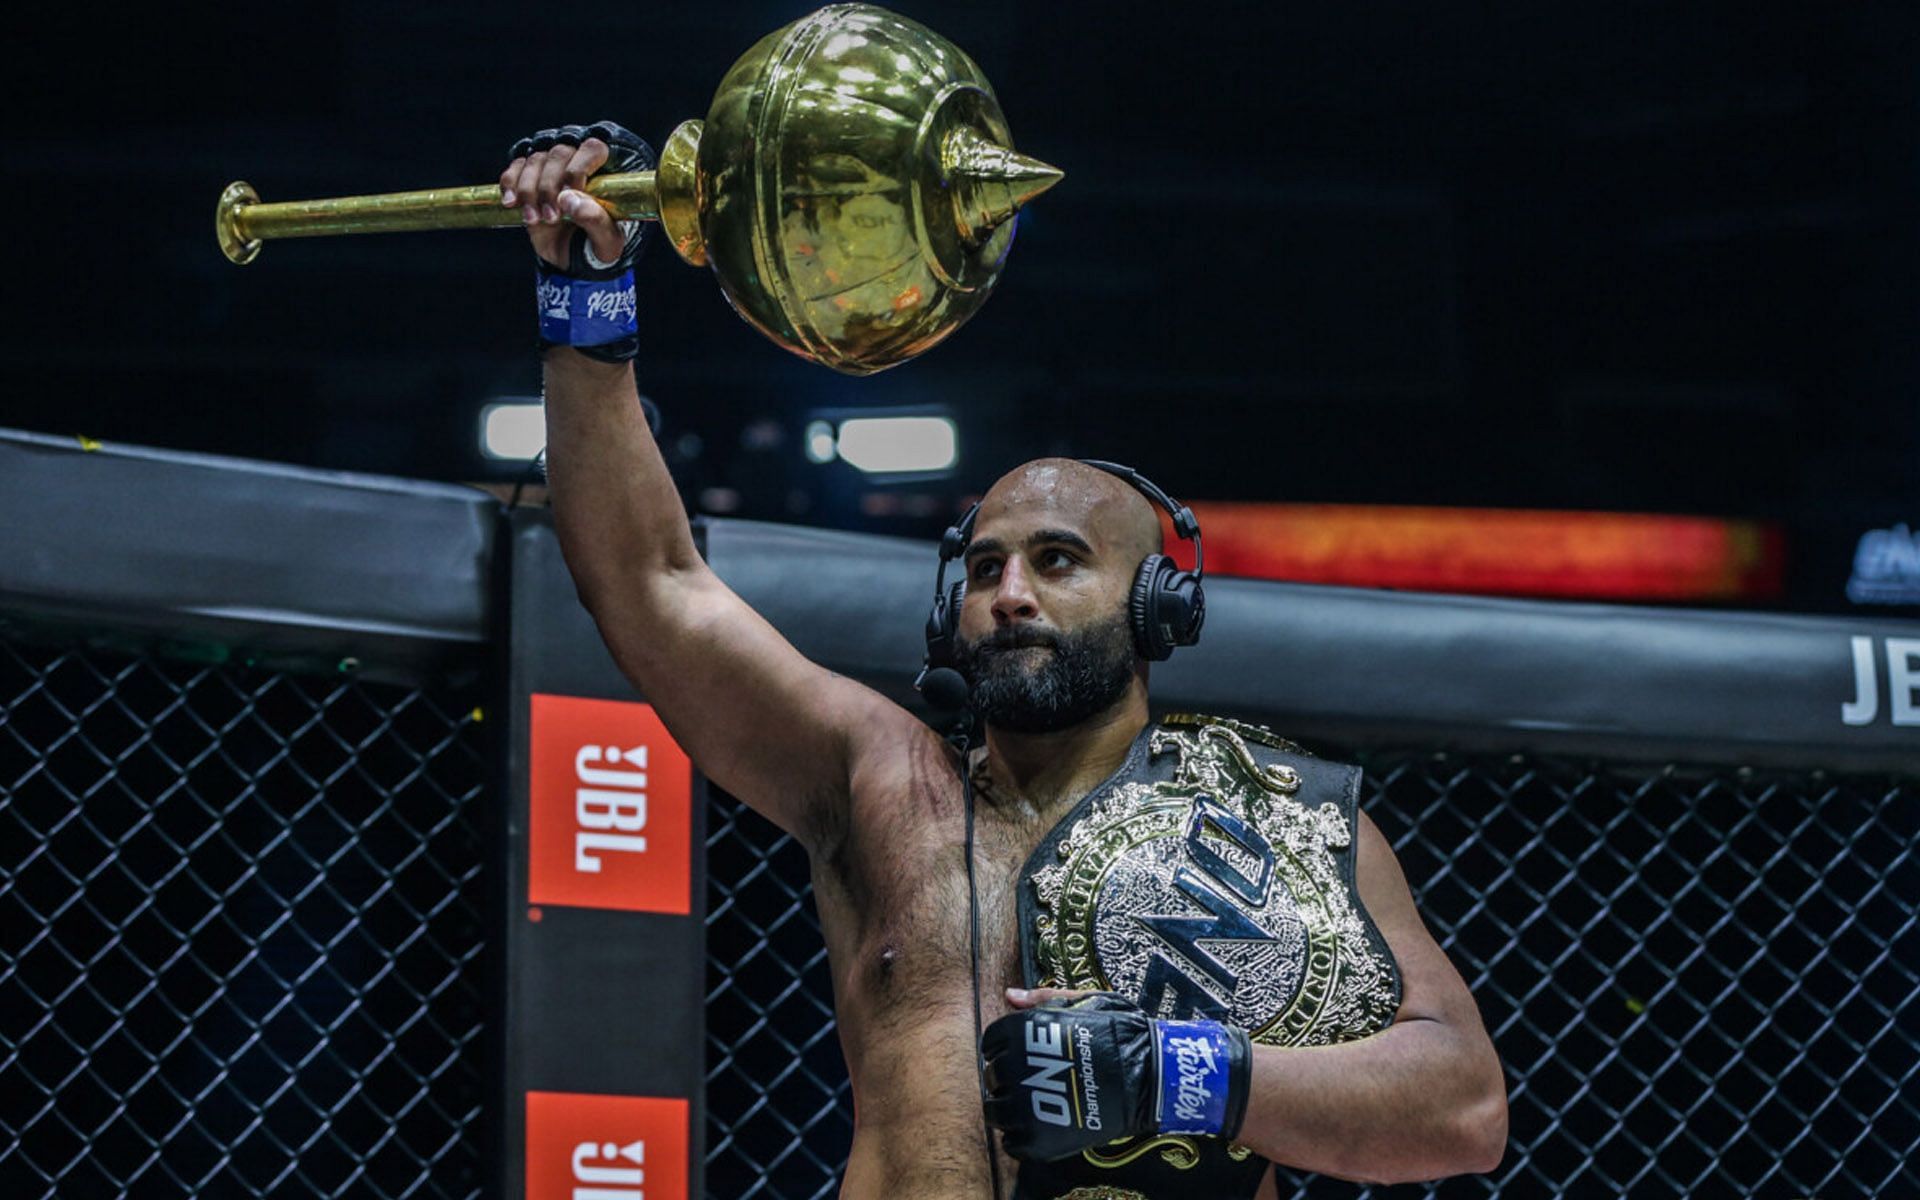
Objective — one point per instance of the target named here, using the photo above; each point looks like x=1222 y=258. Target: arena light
x=513 y=430
x=899 y=445
x=820 y=443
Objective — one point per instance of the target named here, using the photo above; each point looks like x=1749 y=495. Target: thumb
x=602 y=232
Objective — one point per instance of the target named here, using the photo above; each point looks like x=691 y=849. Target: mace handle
x=243 y=222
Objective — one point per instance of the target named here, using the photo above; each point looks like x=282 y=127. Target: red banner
x=582 y=1147
x=1590 y=555
x=611 y=808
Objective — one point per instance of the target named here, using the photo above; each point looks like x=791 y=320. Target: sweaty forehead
x=1061 y=493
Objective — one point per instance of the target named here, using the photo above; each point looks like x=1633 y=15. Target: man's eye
x=1055 y=560
x=984 y=569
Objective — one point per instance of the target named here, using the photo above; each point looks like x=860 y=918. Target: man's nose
x=1013 y=598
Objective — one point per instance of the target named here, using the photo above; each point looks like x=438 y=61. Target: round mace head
x=857 y=187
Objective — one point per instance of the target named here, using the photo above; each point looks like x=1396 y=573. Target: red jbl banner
x=610 y=808
x=606 y=1147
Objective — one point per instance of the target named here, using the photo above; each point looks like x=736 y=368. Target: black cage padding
x=241 y=560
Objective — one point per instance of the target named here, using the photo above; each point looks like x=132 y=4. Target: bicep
x=1435 y=1000
x=755 y=715
x=1431 y=989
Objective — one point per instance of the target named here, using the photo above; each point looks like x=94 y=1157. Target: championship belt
x=1210 y=878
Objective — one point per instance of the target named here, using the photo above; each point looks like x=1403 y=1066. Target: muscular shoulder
x=899 y=772
x=1432 y=988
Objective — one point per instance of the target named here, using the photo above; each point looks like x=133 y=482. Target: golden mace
x=853 y=188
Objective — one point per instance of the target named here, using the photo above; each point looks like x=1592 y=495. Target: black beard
x=1083 y=673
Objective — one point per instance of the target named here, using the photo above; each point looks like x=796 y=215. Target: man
x=877 y=799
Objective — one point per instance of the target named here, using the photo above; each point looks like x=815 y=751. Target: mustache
x=1015 y=637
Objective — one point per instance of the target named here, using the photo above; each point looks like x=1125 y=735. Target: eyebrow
x=1039 y=537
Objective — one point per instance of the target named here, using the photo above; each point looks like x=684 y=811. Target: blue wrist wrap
x=1195 y=1075
x=586 y=312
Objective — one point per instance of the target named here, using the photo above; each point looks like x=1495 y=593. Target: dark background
x=1645 y=257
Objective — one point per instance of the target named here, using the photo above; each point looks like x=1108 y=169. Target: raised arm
x=759 y=719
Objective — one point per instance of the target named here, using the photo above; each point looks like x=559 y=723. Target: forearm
x=754 y=715
x=618 y=515
x=1419 y=1100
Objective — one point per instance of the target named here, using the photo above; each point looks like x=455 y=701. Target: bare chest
x=902 y=926
x=901 y=913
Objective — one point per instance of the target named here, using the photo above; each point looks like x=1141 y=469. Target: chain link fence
x=240 y=932
x=1701 y=983
x=779 y=1107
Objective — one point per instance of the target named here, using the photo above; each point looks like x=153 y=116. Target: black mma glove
x=1069 y=1075
x=584 y=303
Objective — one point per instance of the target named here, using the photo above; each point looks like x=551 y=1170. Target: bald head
x=1104 y=508
x=1045 y=637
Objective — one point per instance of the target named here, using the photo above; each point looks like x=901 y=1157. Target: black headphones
x=1166 y=607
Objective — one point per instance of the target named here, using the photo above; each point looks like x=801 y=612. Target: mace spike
x=990 y=181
